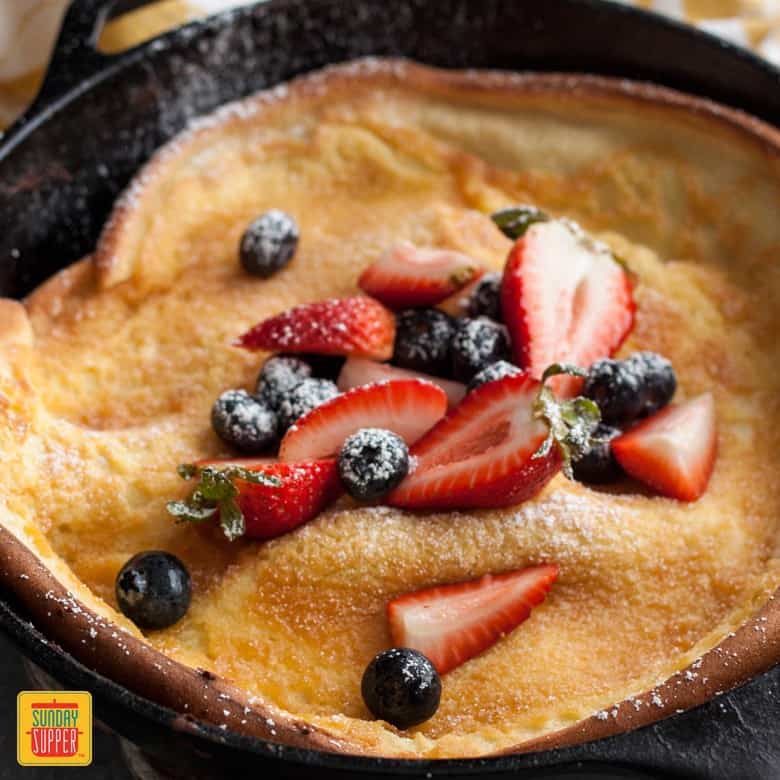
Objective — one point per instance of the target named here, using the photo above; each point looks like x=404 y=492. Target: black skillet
x=98 y=118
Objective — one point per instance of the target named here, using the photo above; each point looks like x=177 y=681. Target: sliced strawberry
x=407 y=275
x=481 y=454
x=257 y=498
x=340 y=326
x=673 y=451
x=408 y=407
x=564 y=298
x=358 y=371
x=452 y=623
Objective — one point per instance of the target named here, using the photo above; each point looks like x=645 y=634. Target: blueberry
x=279 y=375
x=485 y=301
x=153 y=589
x=659 y=381
x=304 y=397
x=477 y=343
x=269 y=243
x=402 y=687
x=598 y=466
x=244 y=421
x=372 y=462
x=628 y=389
x=494 y=371
x=325 y=366
x=422 y=341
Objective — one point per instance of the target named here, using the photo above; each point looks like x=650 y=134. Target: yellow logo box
x=54 y=728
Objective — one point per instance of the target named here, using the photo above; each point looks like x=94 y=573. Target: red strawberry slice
x=339 y=326
x=481 y=453
x=358 y=371
x=673 y=451
x=453 y=623
x=408 y=407
x=304 y=489
x=564 y=298
x=407 y=275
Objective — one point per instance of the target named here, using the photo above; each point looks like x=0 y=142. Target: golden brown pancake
x=108 y=372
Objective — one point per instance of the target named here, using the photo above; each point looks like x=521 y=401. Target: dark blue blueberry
x=279 y=375
x=402 y=687
x=244 y=421
x=477 y=344
x=497 y=370
x=485 y=301
x=422 y=341
x=659 y=382
x=304 y=397
x=153 y=589
x=372 y=462
x=626 y=390
x=269 y=243
x=598 y=466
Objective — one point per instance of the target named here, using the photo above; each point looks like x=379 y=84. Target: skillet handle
x=75 y=58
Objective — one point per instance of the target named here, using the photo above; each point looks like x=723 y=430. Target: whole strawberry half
x=359 y=371
x=406 y=275
x=357 y=326
x=673 y=451
x=451 y=624
x=498 y=447
x=258 y=499
x=408 y=407
x=564 y=298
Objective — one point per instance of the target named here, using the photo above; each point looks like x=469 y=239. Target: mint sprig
x=216 y=492
x=572 y=421
x=514 y=221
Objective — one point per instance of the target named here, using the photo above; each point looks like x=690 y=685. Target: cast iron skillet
x=99 y=118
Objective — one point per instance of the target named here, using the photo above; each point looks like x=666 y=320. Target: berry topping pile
x=476 y=403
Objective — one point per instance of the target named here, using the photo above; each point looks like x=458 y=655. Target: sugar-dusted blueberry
x=244 y=421
x=485 y=301
x=497 y=370
x=279 y=375
x=153 y=589
x=304 y=397
x=477 y=343
x=372 y=462
x=626 y=390
x=659 y=382
x=402 y=687
x=598 y=465
x=422 y=341
x=269 y=243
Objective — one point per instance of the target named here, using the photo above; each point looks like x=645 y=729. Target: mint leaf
x=513 y=222
x=572 y=422
x=216 y=493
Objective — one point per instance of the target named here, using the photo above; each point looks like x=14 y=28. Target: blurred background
x=28 y=29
